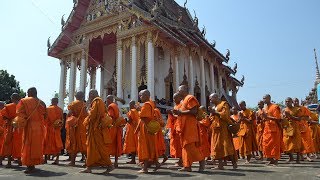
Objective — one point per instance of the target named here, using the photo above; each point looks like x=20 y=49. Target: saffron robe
x=175 y=139
x=247 y=140
x=76 y=135
x=190 y=133
x=131 y=139
x=98 y=140
x=291 y=132
x=221 y=140
x=271 y=135
x=33 y=136
x=53 y=142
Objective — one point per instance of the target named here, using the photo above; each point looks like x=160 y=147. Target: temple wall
x=196 y=69
x=183 y=62
x=162 y=64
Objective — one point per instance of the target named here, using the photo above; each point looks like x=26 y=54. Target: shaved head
x=267 y=99
x=110 y=98
x=243 y=105
x=54 y=101
x=32 y=92
x=202 y=108
x=144 y=95
x=93 y=94
x=15 y=98
x=80 y=96
x=214 y=98
x=296 y=102
x=177 y=98
x=183 y=90
x=132 y=104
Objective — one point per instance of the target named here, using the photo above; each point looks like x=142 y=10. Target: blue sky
x=272 y=42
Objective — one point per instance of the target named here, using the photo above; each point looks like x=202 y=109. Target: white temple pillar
x=83 y=72
x=72 y=80
x=203 y=82
x=150 y=68
x=134 y=89
x=212 y=77
x=191 y=88
x=119 y=70
x=177 y=73
x=102 y=91
x=93 y=77
x=63 y=78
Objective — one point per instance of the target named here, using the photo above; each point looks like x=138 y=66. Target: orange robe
x=175 y=139
x=260 y=129
x=76 y=135
x=314 y=132
x=247 y=138
x=236 y=140
x=2 y=129
x=291 y=132
x=221 y=140
x=98 y=140
x=53 y=142
x=307 y=142
x=131 y=139
x=34 y=111
x=13 y=137
x=190 y=133
x=205 y=145
x=160 y=137
x=116 y=130
x=271 y=135
x=147 y=148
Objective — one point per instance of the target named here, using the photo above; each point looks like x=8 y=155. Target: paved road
x=256 y=170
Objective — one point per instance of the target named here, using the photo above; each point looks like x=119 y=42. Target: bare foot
x=309 y=159
x=164 y=159
x=87 y=170
x=55 y=163
x=235 y=166
x=131 y=162
x=109 y=169
x=157 y=167
x=143 y=171
x=30 y=170
x=218 y=168
x=8 y=166
x=247 y=162
x=71 y=164
x=184 y=169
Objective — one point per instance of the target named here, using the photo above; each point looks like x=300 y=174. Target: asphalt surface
x=256 y=170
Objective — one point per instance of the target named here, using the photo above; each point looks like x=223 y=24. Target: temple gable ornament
x=100 y=8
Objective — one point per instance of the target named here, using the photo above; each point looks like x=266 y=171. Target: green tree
x=9 y=85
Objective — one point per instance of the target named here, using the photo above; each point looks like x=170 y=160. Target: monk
x=116 y=130
x=13 y=137
x=189 y=130
x=313 y=124
x=147 y=142
x=76 y=132
x=131 y=139
x=235 y=118
x=271 y=135
x=221 y=140
x=33 y=112
x=98 y=153
x=248 y=144
x=291 y=131
x=175 y=139
x=160 y=137
x=307 y=142
x=53 y=142
x=2 y=128
x=204 y=136
x=260 y=129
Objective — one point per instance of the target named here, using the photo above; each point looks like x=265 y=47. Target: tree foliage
x=9 y=85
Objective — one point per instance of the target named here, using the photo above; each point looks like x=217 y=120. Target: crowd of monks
x=30 y=132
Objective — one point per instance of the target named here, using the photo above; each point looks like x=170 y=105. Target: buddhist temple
x=139 y=44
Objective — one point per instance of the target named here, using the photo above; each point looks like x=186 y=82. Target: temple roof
x=167 y=15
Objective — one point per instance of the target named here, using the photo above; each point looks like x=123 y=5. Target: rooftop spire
x=317 y=68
